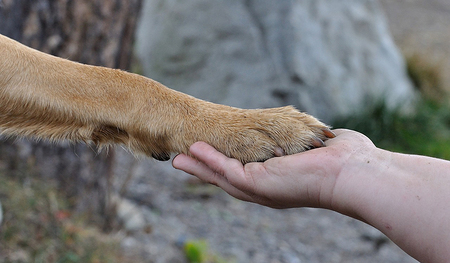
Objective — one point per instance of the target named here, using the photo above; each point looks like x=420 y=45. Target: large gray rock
x=326 y=57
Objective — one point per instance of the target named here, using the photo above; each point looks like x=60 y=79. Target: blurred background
x=379 y=67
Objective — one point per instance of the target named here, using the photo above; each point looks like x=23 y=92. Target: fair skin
x=404 y=196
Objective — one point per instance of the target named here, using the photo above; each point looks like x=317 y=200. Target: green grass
x=197 y=251
x=426 y=132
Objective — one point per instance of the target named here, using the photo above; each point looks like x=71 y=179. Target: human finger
x=210 y=166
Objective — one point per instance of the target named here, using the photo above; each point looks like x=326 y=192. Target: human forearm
x=404 y=196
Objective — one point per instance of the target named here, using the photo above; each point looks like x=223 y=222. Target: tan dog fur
x=49 y=97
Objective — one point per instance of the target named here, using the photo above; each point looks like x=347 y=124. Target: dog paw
x=247 y=135
x=257 y=135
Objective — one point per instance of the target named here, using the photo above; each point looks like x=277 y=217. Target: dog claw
x=317 y=143
x=161 y=156
x=278 y=152
x=328 y=133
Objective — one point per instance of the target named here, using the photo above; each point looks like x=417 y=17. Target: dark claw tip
x=161 y=156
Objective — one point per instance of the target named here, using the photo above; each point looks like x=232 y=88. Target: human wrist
x=362 y=174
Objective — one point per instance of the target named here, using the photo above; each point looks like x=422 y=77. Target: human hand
x=304 y=179
x=401 y=195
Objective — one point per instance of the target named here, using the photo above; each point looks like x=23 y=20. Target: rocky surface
x=328 y=58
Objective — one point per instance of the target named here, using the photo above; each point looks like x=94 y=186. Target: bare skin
x=404 y=196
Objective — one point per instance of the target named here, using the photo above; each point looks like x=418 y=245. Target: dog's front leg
x=49 y=97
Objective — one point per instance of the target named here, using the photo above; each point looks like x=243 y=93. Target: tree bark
x=96 y=32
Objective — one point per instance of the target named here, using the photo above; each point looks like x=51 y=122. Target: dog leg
x=48 y=97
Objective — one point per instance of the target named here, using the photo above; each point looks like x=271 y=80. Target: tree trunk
x=96 y=32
